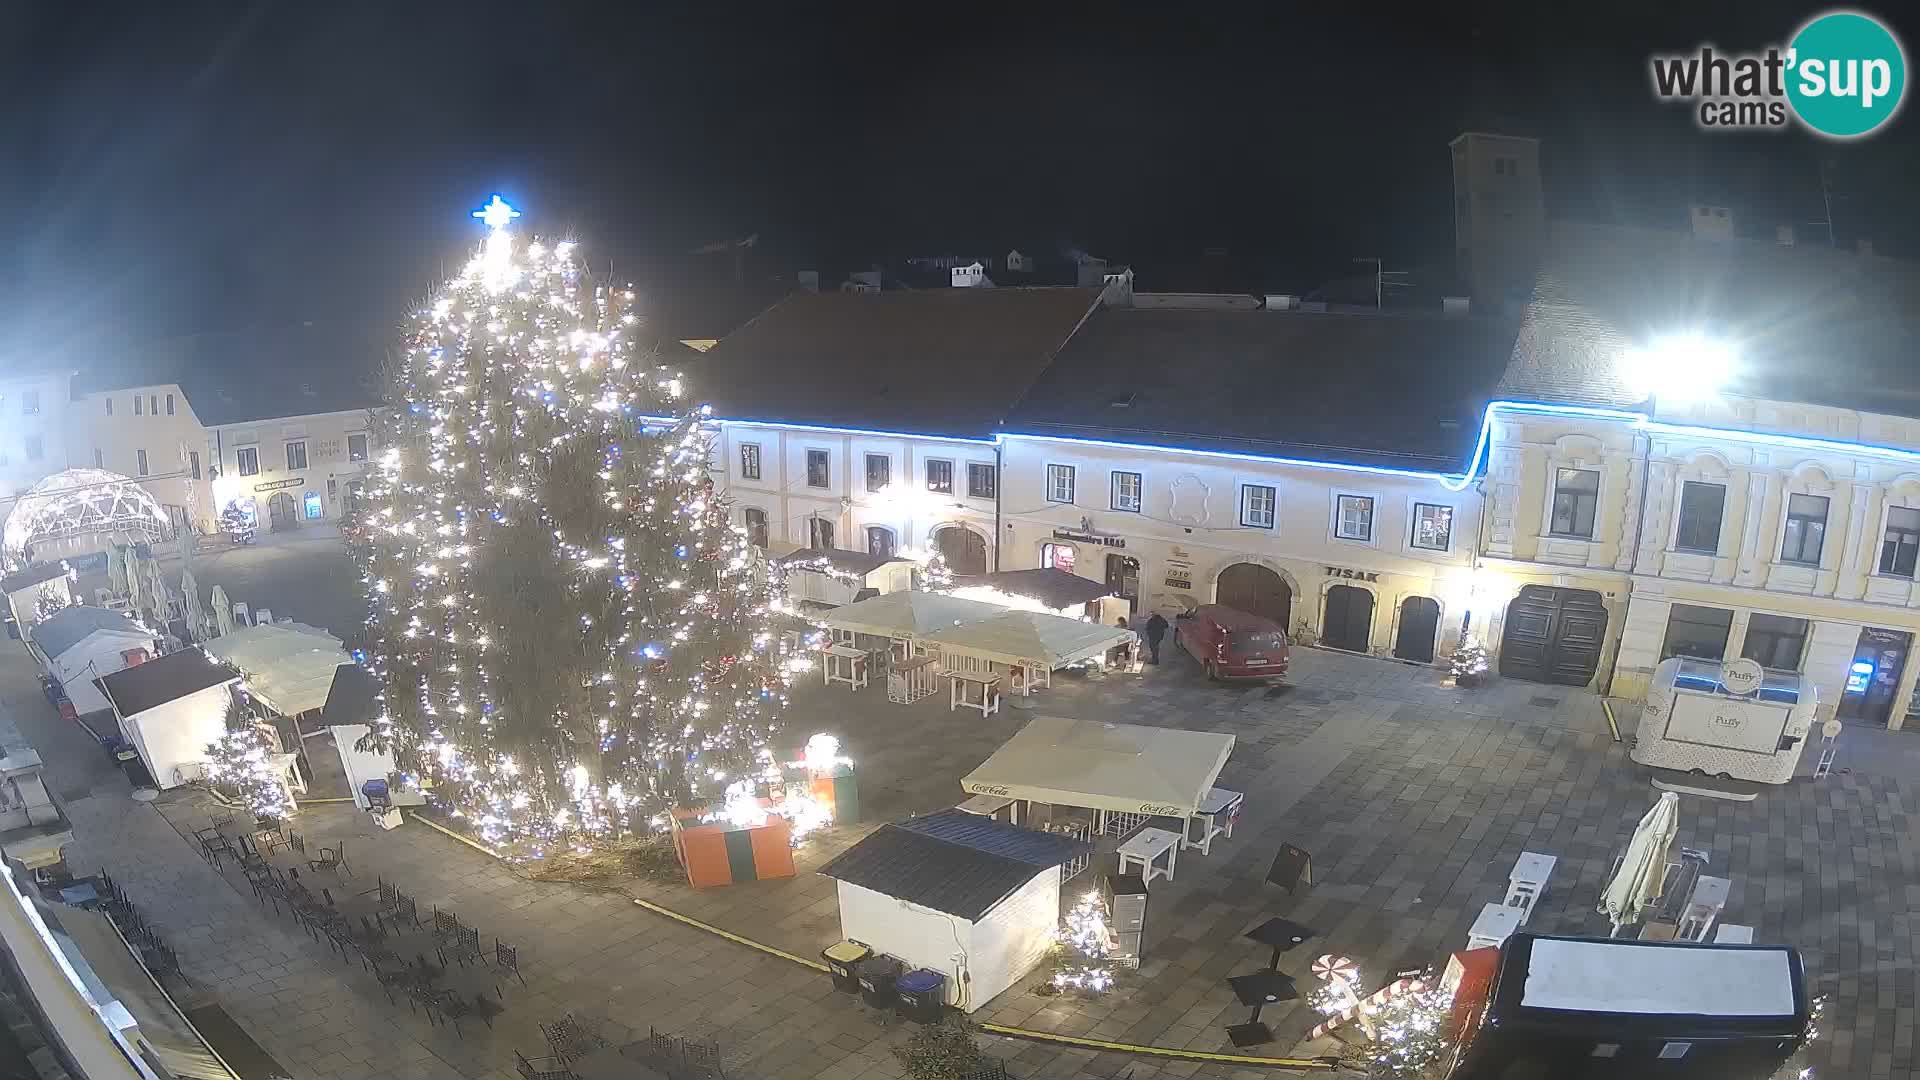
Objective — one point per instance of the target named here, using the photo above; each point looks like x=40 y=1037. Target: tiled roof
x=136 y=689
x=70 y=626
x=938 y=362
x=1393 y=390
x=959 y=863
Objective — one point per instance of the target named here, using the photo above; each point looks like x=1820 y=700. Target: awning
x=1030 y=637
x=909 y=614
x=1052 y=586
x=290 y=670
x=1124 y=767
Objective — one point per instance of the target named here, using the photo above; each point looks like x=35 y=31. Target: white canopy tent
x=1123 y=768
x=1029 y=640
x=288 y=670
x=907 y=616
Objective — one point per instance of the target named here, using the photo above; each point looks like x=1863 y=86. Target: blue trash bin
x=923 y=995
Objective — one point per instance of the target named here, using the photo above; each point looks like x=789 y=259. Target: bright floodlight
x=1684 y=367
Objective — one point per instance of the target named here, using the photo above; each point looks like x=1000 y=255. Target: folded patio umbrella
x=1638 y=881
x=222 y=611
x=196 y=616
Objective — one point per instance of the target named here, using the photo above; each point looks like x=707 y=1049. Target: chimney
x=1864 y=246
x=1280 y=302
x=1455 y=305
x=810 y=280
x=1118 y=291
x=1711 y=222
x=1783 y=235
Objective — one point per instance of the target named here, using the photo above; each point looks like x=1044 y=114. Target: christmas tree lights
x=572 y=635
x=241 y=762
x=1086 y=942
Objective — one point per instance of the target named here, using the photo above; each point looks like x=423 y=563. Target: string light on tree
x=1087 y=943
x=570 y=631
x=241 y=763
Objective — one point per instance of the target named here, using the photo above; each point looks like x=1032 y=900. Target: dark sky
x=174 y=169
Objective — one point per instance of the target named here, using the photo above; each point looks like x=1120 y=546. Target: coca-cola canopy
x=1128 y=768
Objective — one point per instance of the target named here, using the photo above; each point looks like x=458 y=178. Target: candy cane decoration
x=1360 y=1009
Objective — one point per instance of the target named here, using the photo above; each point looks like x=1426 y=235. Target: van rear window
x=1242 y=642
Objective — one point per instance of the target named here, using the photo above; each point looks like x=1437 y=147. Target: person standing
x=1156 y=630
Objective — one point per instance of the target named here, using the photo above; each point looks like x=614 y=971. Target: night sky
x=179 y=169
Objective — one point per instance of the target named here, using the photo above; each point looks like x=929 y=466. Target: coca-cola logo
x=1160 y=809
x=989 y=789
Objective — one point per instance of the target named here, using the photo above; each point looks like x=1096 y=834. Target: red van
x=1232 y=644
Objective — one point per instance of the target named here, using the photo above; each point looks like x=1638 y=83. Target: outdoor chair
x=446 y=925
x=423 y=997
x=281 y=842
x=453 y=1008
x=298 y=843
x=508 y=957
x=465 y=945
x=221 y=821
x=570 y=1040
x=389 y=897
x=405 y=910
x=332 y=858
x=212 y=847
x=546 y=1070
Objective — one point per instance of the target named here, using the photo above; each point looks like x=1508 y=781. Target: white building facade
x=152 y=434
x=294 y=470
x=34 y=421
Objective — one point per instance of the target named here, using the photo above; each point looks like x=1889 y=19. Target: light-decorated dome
x=79 y=502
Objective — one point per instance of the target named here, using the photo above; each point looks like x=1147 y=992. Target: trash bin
x=878 y=974
x=376 y=793
x=841 y=956
x=923 y=995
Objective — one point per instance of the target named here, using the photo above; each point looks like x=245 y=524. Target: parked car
x=1232 y=644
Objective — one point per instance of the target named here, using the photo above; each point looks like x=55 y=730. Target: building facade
x=293 y=470
x=150 y=433
x=34 y=419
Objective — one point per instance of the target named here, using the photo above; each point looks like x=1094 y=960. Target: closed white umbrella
x=1643 y=870
x=222 y=611
x=159 y=597
x=116 y=570
x=190 y=594
x=133 y=583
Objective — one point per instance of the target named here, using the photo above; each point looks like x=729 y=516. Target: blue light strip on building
x=826 y=429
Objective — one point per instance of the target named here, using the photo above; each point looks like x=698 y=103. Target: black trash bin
x=878 y=974
x=923 y=995
x=841 y=958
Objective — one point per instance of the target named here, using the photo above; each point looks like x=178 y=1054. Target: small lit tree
x=240 y=763
x=1084 y=943
x=1469 y=662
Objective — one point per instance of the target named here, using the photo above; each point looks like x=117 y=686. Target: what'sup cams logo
x=1842 y=76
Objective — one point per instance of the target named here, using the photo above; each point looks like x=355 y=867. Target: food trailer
x=1735 y=721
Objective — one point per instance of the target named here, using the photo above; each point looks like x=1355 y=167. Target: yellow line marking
x=1611 y=725
x=309 y=802
x=997 y=1029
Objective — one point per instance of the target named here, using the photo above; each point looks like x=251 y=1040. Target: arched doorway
x=1348 y=623
x=1253 y=588
x=281 y=513
x=1123 y=578
x=1553 y=635
x=964 y=550
x=1419 y=622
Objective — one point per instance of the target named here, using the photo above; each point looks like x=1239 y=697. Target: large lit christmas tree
x=570 y=630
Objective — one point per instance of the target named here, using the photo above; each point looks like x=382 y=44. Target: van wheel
x=1213 y=673
x=1696 y=772
x=1723 y=776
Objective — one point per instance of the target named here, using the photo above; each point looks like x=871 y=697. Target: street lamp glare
x=1680 y=367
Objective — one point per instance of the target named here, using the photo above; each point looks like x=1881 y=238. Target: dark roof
x=351 y=697
x=72 y=625
x=867 y=360
x=959 y=863
x=1051 y=586
x=847 y=562
x=258 y=374
x=136 y=689
x=32 y=575
x=1809 y=323
x=1394 y=390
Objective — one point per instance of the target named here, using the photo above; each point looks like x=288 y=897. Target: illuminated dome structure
x=81 y=509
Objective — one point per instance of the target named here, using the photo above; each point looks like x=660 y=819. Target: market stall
x=1048 y=589
x=24 y=592
x=904 y=618
x=352 y=705
x=80 y=644
x=1734 y=720
x=288 y=669
x=1024 y=647
x=1124 y=773
x=835 y=578
x=971 y=898
x=170 y=709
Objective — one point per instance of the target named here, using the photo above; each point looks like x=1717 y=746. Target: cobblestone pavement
x=1415 y=801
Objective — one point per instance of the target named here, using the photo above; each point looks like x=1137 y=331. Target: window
x=333 y=488
x=193 y=464
x=139 y=405
x=756 y=526
x=140 y=462
x=1256 y=506
x=99 y=458
x=1902 y=541
x=311 y=503
x=1057 y=557
x=29 y=403
x=169 y=404
x=247 y=458
x=153 y=404
x=879 y=542
x=1699 y=632
x=820 y=534
x=1060 y=483
x=940 y=476
x=1576 y=497
x=1700 y=511
x=35 y=448
x=749 y=461
x=357 y=447
x=1432 y=526
x=1353 y=520
x=1806 y=529
x=1775 y=641
x=109 y=406
x=879 y=472
x=1126 y=492
x=982 y=483
x=296 y=455
x=817 y=466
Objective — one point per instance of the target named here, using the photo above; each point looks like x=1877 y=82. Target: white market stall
x=170 y=709
x=834 y=578
x=1124 y=773
x=903 y=618
x=288 y=670
x=353 y=703
x=25 y=589
x=80 y=644
x=1735 y=720
x=1024 y=647
x=1050 y=590
x=974 y=899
